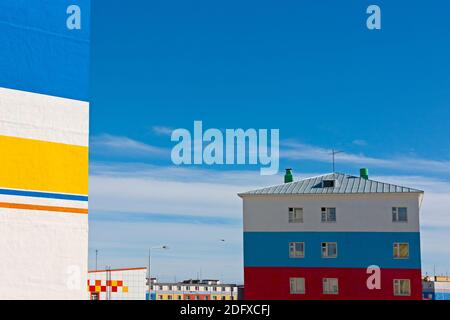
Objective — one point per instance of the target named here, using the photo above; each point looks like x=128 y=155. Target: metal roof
x=344 y=184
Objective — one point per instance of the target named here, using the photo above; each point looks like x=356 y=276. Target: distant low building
x=436 y=288
x=118 y=284
x=193 y=290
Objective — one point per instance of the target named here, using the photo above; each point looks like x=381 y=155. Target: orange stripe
x=43 y=208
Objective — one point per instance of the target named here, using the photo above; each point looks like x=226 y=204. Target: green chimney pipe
x=288 y=177
x=364 y=173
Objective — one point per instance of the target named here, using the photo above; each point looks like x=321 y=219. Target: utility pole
x=96 y=257
x=149 y=264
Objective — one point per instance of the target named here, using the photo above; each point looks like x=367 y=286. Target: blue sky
x=310 y=68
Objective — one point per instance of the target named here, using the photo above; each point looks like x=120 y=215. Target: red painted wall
x=272 y=283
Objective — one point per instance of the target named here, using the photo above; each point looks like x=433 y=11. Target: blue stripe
x=38 y=194
x=355 y=249
x=39 y=53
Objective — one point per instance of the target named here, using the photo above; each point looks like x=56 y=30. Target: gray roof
x=344 y=184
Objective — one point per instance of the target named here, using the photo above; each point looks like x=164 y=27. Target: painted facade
x=117 y=284
x=310 y=240
x=44 y=134
x=436 y=288
x=194 y=290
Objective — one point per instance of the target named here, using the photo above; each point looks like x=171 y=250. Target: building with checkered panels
x=118 y=284
x=316 y=238
x=44 y=133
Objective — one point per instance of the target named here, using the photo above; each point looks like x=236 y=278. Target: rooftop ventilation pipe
x=288 y=177
x=364 y=173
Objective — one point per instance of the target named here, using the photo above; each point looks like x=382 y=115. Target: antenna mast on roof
x=333 y=153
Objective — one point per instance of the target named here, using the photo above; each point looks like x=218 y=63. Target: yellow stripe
x=43 y=166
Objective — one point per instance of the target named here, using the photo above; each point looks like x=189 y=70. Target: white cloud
x=299 y=151
x=124 y=146
x=162 y=130
x=171 y=190
x=360 y=142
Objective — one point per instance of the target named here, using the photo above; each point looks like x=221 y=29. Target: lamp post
x=149 y=263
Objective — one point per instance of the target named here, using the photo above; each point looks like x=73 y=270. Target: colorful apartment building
x=193 y=290
x=117 y=284
x=44 y=134
x=436 y=288
x=324 y=237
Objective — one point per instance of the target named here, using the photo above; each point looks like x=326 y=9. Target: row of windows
x=399 y=214
x=330 y=250
x=401 y=287
x=191 y=288
x=179 y=297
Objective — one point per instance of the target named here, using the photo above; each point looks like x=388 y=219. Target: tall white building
x=44 y=134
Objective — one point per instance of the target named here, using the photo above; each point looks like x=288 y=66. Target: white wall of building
x=354 y=212
x=134 y=280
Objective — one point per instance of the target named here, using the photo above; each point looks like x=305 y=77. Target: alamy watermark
x=227 y=147
x=73 y=21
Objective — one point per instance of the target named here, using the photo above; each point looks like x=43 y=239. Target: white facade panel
x=42 y=117
x=119 y=284
x=43 y=255
x=358 y=212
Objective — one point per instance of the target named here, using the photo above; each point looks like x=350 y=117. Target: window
x=214 y=297
x=330 y=286
x=188 y=297
x=296 y=249
x=402 y=287
x=328 y=214
x=399 y=214
x=401 y=250
x=297 y=285
x=197 y=297
x=179 y=297
x=329 y=249
x=95 y=296
x=169 y=297
x=206 y=298
x=328 y=183
x=295 y=215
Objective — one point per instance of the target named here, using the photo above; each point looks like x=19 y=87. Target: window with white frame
x=296 y=249
x=329 y=249
x=297 y=285
x=295 y=215
x=402 y=287
x=401 y=250
x=399 y=214
x=330 y=285
x=328 y=215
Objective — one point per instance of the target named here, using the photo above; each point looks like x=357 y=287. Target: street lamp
x=149 y=262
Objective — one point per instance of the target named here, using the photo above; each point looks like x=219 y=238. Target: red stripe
x=272 y=283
